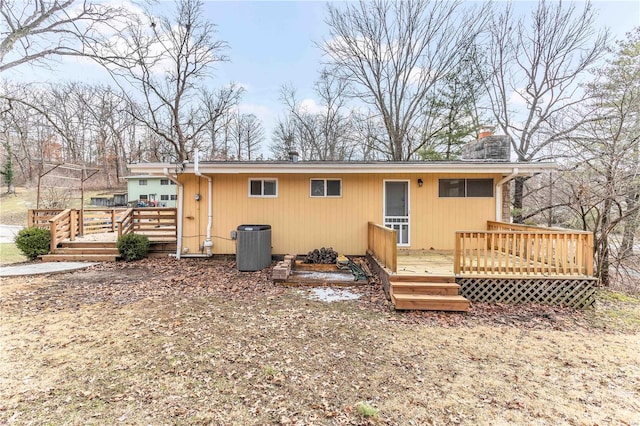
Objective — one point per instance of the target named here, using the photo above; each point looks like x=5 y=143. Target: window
x=174 y=197
x=164 y=181
x=263 y=187
x=142 y=182
x=164 y=197
x=472 y=188
x=144 y=197
x=479 y=187
x=326 y=188
x=172 y=182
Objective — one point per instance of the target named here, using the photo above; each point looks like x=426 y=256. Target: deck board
x=425 y=262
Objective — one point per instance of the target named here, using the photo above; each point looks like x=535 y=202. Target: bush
x=133 y=246
x=33 y=242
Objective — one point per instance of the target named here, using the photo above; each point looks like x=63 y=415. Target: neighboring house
x=116 y=199
x=314 y=204
x=151 y=191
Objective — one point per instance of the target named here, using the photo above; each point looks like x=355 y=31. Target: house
x=314 y=204
x=151 y=191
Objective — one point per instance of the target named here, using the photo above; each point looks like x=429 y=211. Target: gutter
x=501 y=182
x=207 y=242
x=179 y=212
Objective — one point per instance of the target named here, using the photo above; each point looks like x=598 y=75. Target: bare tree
x=538 y=63
x=37 y=30
x=394 y=54
x=325 y=134
x=218 y=107
x=245 y=134
x=166 y=59
x=607 y=178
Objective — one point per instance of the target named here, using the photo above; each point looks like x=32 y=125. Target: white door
x=396 y=208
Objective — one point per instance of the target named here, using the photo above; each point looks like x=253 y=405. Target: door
x=396 y=208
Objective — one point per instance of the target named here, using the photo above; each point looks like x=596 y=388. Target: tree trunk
x=630 y=225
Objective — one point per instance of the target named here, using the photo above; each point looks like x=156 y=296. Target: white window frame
x=173 y=197
x=164 y=181
x=164 y=197
x=325 y=188
x=142 y=182
x=262 y=180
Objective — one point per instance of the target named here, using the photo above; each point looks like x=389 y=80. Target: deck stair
x=86 y=251
x=427 y=293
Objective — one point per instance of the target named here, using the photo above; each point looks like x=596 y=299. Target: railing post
x=54 y=238
x=456 y=254
x=72 y=224
x=30 y=220
x=113 y=220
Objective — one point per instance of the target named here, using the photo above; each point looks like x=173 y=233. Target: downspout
x=501 y=182
x=207 y=242
x=179 y=212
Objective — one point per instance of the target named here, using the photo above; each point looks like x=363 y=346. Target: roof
x=149 y=176
x=344 y=167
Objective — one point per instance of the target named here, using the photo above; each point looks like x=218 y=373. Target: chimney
x=485 y=131
x=293 y=156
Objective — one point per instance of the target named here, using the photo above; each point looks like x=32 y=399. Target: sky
x=275 y=43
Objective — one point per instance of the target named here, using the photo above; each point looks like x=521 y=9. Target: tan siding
x=301 y=223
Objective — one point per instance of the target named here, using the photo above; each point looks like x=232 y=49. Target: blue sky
x=273 y=43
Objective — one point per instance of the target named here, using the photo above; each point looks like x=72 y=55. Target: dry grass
x=9 y=253
x=196 y=342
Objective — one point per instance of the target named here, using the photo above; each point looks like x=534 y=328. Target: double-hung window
x=325 y=188
x=263 y=187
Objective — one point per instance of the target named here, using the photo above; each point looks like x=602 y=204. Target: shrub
x=33 y=242
x=366 y=410
x=133 y=246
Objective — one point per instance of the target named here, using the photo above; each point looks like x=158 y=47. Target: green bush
x=33 y=242
x=133 y=246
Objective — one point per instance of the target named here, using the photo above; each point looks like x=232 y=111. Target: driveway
x=8 y=233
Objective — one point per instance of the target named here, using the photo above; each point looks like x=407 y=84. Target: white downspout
x=502 y=181
x=179 y=212
x=207 y=242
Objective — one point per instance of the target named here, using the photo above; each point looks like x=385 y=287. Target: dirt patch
x=197 y=342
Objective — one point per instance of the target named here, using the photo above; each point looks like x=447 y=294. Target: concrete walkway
x=42 y=268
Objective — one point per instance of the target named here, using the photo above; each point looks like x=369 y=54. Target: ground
x=196 y=342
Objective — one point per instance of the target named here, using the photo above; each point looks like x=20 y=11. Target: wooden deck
x=425 y=262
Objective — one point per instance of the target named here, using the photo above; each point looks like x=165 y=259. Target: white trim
x=325 y=187
x=384 y=208
x=262 y=179
x=324 y=168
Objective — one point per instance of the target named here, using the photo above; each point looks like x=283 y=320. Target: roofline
x=328 y=167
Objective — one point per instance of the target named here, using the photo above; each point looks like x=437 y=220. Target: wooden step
x=78 y=258
x=434 y=289
x=423 y=278
x=73 y=250
x=87 y=244
x=425 y=302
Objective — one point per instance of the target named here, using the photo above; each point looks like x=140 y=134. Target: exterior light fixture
x=197 y=197
x=420 y=182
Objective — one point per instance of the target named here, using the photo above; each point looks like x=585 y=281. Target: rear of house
x=315 y=204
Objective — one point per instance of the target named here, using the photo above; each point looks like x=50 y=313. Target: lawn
x=13 y=207
x=196 y=342
x=9 y=253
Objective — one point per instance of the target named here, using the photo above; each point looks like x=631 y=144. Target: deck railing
x=62 y=226
x=125 y=222
x=508 y=249
x=159 y=224
x=383 y=243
